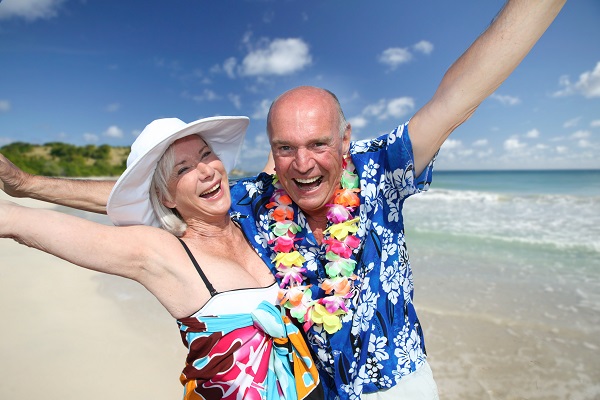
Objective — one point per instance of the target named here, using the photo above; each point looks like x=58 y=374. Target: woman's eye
x=206 y=154
x=182 y=171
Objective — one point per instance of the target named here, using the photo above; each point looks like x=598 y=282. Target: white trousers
x=418 y=385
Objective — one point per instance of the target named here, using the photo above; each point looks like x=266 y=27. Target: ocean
x=506 y=267
x=546 y=209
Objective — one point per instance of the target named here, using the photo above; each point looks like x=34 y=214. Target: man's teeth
x=212 y=189
x=310 y=180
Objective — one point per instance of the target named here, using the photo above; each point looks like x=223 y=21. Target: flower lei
x=294 y=293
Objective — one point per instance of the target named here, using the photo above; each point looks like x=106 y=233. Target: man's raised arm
x=479 y=72
x=84 y=194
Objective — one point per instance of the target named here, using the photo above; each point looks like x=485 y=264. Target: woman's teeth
x=211 y=190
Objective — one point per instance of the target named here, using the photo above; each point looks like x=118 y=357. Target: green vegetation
x=63 y=159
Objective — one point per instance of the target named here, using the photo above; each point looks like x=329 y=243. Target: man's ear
x=346 y=139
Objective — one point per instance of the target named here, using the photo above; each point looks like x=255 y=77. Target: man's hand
x=12 y=178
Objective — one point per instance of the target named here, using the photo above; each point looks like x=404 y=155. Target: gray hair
x=169 y=218
x=343 y=124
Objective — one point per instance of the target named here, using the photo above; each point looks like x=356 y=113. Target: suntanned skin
x=151 y=256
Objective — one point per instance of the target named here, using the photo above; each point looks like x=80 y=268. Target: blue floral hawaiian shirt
x=381 y=339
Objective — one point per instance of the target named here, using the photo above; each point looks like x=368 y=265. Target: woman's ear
x=165 y=202
x=169 y=204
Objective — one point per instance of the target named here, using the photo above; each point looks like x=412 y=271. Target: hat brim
x=129 y=200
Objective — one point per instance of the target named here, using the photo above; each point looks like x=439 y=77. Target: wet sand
x=70 y=333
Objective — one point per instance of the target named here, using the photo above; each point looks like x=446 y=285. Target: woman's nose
x=204 y=170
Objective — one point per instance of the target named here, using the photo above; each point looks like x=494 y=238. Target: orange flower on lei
x=295 y=294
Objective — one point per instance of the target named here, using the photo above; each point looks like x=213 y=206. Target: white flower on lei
x=366 y=308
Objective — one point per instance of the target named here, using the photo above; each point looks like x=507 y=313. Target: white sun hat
x=129 y=200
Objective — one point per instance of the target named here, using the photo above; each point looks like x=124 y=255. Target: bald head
x=303 y=98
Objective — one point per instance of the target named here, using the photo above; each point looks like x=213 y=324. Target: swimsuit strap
x=209 y=286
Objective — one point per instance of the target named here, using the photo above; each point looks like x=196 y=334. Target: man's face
x=308 y=151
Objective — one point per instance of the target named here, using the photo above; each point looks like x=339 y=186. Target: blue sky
x=95 y=72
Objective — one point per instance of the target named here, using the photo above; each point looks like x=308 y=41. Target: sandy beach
x=70 y=333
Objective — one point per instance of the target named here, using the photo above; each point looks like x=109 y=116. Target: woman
x=240 y=345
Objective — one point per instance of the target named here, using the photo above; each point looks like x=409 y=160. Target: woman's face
x=198 y=183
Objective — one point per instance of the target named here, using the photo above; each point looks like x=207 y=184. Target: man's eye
x=206 y=154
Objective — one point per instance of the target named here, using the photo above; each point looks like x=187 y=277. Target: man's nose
x=303 y=160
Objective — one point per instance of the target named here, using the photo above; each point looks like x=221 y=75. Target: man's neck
x=317 y=224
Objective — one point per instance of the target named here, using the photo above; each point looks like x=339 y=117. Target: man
x=378 y=348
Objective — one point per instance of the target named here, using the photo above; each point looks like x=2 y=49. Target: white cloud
x=506 y=99
x=399 y=107
x=279 y=57
x=113 y=107
x=236 y=100
x=373 y=110
x=584 y=143
x=588 y=84
x=424 y=47
x=480 y=143
x=29 y=9
x=580 y=135
x=4 y=106
x=533 y=134
x=395 y=56
x=229 y=67
x=90 y=137
x=114 y=132
x=384 y=109
x=571 y=123
x=562 y=149
x=358 y=122
x=451 y=144
x=207 y=95
x=595 y=123
x=484 y=154
x=513 y=144
x=254 y=152
x=262 y=109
